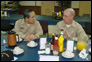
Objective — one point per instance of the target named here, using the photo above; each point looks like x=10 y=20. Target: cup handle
x=18 y=37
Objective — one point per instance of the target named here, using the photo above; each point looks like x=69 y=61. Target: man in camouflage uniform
x=72 y=29
x=28 y=28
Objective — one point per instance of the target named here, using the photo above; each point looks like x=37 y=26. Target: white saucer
x=20 y=52
x=32 y=46
x=90 y=50
x=71 y=55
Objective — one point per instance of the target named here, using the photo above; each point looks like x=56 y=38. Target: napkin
x=15 y=58
x=70 y=45
x=42 y=43
x=48 y=58
x=83 y=54
x=41 y=52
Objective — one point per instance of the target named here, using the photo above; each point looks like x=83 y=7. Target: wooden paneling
x=85 y=8
x=37 y=9
x=76 y=11
x=47 y=7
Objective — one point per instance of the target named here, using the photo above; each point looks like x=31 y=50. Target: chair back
x=44 y=25
x=88 y=28
x=5 y=26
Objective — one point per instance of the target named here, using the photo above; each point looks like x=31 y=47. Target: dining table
x=31 y=53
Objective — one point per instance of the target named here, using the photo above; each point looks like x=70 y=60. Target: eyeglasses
x=65 y=16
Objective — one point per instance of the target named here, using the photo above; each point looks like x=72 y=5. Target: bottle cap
x=53 y=34
x=56 y=35
x=61 y=33
x=56 y=38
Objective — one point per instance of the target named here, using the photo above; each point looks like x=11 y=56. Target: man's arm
x=39 y=30
x=17 y=30
x=80 y=31
x=57 y=29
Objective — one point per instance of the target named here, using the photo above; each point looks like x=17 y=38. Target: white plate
x=32 y=46
x=71 y=55
x=90 y=50
x=19 y=52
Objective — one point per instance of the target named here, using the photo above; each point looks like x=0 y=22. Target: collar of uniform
x=73 y=24
x=22 y=21
x=63 y=24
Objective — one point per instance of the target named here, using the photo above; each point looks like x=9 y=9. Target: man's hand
x=32 y=37
x=27 y=38
x=66 y=35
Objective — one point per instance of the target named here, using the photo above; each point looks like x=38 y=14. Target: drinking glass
x=4 y=40
x=81 y=43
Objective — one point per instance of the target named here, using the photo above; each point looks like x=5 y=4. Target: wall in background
x=85 y=8
x=47 y=7
x=37 y=7
x=82 y=8
x=33 y=3
x=75 y=4
x=27 y=3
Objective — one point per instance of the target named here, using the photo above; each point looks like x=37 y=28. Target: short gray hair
x=72 y=12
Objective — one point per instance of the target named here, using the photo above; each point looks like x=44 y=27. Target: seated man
x=72 y=29
x=28 y=28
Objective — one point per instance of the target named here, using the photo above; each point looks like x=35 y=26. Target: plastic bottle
x=60 y=42
x=1 y=13
x=55 y=46
x=52 y=14
x=60 y=14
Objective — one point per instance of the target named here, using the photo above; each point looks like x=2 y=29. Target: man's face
x=31 y=19
x=67 y=17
